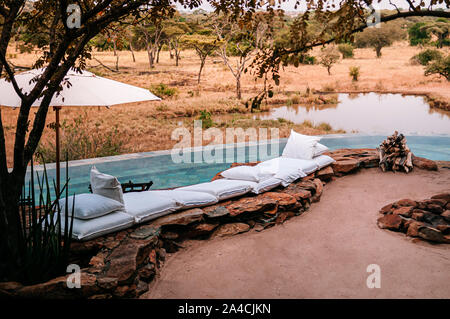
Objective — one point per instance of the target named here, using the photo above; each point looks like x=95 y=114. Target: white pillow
x=287 y=175
x=246 y=173
x=266 y=185
x=323 y=160
x=222 y=188
x=88 y=206
x=145 y=206
x=92 y=228
x=187 y=199
x=320 y=149
x=300 y=146
x=106 y=185
x=307 y=166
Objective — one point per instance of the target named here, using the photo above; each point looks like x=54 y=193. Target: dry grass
x=148 y=126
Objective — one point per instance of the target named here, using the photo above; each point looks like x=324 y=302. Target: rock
x=107 y=283
x=319 y=190
x=424 y=163
x=431 y=234
x=126 y=259
x=346 y=166
x=444 y=196
x=282 y=218
x=146 y=232
x=183 y=218
x=435 y=201
x=216 y=211
x=413 y=229
x=435 y=208
x=444 y=229
x=284 y=200
x=386 y=209
x=404 y=211
x=9 y=289
x=231 y=229
x=201 y=230
x=325 y=174
x=141 y=288
x=147 y=272
x=391 y=222
x=170 y=235
x=433 y=218
x=370 y=161
x=446 y=215
x=406 y=202
x=257 y=204
x=298 y=192
x=418 y=214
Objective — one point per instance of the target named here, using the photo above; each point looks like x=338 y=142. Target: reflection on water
x=371 y=113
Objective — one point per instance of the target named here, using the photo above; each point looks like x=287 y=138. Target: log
x=395 y=154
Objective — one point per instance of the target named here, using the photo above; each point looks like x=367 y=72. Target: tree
x=377 y=38
x=439 y=28
x=440 y=67
x=150 y=33
x=240 y=43
x=174 y=31
x=328 y=57
x=204 y=46
x=417 y=35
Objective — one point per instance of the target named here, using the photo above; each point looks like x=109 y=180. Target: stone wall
x=122 y=265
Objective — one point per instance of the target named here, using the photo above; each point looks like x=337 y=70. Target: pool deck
x=322 y=254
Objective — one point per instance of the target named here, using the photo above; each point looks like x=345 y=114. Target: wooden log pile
x=394 y=154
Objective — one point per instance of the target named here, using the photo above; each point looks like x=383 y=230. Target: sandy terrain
x=321 y=254
x=148 y=126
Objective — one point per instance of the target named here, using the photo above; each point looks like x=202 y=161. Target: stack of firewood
x=395 y=154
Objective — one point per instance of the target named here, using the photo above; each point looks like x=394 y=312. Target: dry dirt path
x=322 y=254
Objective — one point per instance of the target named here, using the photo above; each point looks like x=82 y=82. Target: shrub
x=346 y=50
x=417 y=34
x=80 y=141
x=44 y=249
x=354 y=72
x=426 y=56
x=328 y=57
x=324 y=126
x=206 y=119
x=439 y=66
x=163 y=90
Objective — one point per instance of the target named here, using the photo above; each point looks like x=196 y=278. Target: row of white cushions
x=222 y=188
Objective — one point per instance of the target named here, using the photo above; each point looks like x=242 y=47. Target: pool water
x=160 y=168
x=370 y=113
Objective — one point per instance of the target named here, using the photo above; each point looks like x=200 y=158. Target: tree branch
x=11 y=76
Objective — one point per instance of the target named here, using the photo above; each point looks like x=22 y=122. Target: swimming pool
x=160 y=168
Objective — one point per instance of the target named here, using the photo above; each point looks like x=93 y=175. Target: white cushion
x=266 y=185
x=92 y=228
x=319 y=149
x=323 y=160
x=106 y=185
x=88 y=206
x=246 y=173
x=186 y=199
x=300 y=146
x=287 y=169
x=145 y=206
x=222 y=188
x=307 y=166
x=287 y=175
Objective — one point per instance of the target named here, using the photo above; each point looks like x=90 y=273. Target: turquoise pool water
x=159 y=167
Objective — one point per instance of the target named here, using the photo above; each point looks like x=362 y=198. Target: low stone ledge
x=121 y=265
x=426 y=219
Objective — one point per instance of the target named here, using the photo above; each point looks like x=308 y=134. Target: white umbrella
x=86 y=89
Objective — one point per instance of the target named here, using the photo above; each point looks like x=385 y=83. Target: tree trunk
x=157 y=53
x=150 y=57
x=378 y=51
x=115 y=47
x=238 y=88
x=329 y=70
x=202 y=64
x=132 y=52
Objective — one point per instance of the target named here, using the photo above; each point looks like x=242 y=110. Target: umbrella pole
x=58 y=163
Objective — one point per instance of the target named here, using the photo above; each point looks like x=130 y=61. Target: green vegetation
x=426 y=56
x=328 y=57
x=440 y=67
x=79 y=141
x=346 y=50
x=206 y=119
x=44 y=251
x=163 y=90
x=378 y=38
x=354 y=73
x=417 y=35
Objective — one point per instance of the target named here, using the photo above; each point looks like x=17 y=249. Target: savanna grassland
x=147 y=126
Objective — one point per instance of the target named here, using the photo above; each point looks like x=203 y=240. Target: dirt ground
x=322 y=254
x=147 y=126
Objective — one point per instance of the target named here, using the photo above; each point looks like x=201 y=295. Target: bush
x=206 y=119
x=354 y=72
x=426 y=56
x=163 y=90
x=439 y=66
x=80 y=141
x=346 y=50
x=417 y=35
